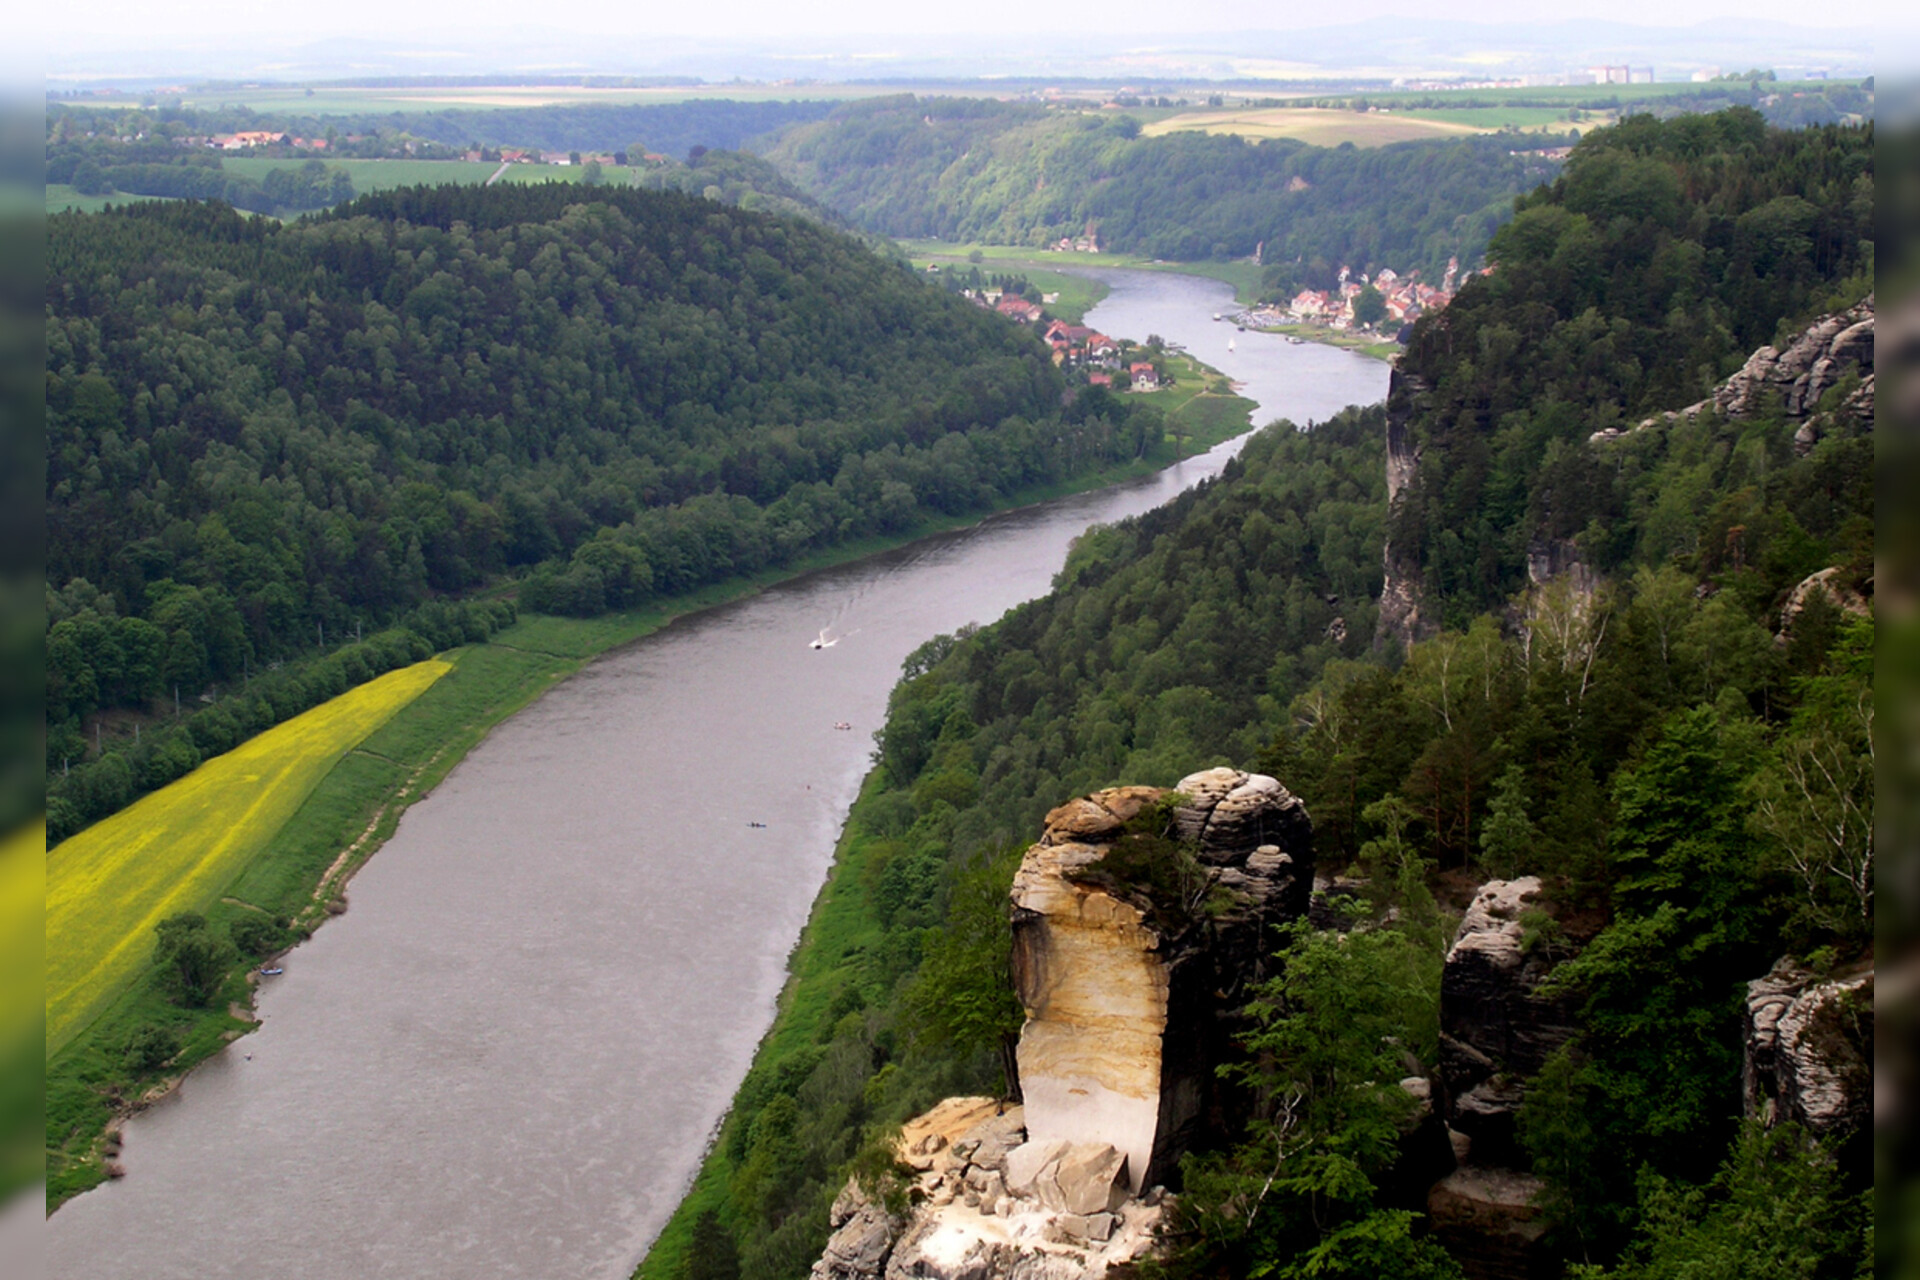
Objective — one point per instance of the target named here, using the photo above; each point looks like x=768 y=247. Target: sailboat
x=1229 y=344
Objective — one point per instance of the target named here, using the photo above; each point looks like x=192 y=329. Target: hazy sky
x=184 y=21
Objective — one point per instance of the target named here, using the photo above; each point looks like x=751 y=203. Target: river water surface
x=506 y=1059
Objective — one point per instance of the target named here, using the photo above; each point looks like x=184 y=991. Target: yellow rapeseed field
x=22 y=890
x=179 y=848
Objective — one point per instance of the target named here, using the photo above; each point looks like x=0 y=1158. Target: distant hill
x=1010 y=173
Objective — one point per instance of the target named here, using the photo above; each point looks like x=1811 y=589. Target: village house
x=1143 y=375
x=249 y=138
x=1076 y=344
x=1014 y=307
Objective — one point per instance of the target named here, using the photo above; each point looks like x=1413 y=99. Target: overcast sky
x=168 y=21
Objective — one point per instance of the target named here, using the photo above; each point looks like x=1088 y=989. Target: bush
x=191 y=957
x=258 y=935
x=151 y=1047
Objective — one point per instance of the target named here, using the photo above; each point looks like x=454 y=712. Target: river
x=506 y=1059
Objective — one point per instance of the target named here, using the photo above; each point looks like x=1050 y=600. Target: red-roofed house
x=1014 y=307
x=1144 y=378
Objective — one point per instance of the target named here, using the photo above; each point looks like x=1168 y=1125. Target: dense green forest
x=736 y=178
x=261 y=438
x=1009 y=173
x=1646 y=274
x=1662 y=749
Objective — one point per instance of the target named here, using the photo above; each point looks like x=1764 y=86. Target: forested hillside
x=260 y=438
x=1015 y=174
x=736 y=178
x=1666 y=254
x=1660 y=726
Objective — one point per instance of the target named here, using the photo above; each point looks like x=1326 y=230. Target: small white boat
x=1219 y=316
x=1229 y=344
x=274 y=972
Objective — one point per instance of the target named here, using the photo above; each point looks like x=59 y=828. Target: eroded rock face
x=1126 y=993
x=1809 y=1051
x=1827 y=583
x=991 y=1205
x=1813 y=362
x=1496 y=1029
x=1132 y=972
x=1490 y=1220
x=1402 y=618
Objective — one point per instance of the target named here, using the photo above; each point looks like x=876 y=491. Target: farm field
x=383 y=175
x=61 y=197
x=1525 y=118
x=179 y=848
x=1319 y=126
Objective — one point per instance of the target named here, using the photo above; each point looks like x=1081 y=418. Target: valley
x=1194 y=679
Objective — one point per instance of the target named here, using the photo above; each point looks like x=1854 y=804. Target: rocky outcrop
x=1132 y=973
x=1809 y=1051
x=1490 y=1220
x=1825 y=352
x=1497 y=1029
x=1813 y=362
x=990 y=1204
x=1826 y=583
x=1137 y=928
x=1401 y=619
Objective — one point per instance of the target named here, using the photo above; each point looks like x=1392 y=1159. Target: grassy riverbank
x=1367 y=344
x=135 y=1046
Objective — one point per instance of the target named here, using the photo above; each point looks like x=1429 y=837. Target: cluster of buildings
x=256 y=138
x=528 y=155
x=1075 y=346
x=1407 y=298
x=1088 y=243
x=1621 y=75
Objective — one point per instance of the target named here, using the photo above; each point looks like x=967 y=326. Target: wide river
x=506 y=1059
